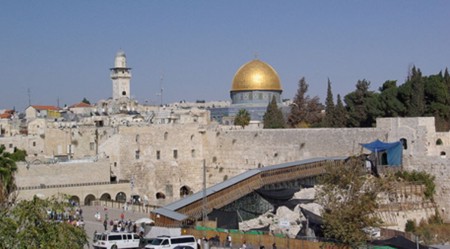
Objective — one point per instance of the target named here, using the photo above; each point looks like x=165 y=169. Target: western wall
x=163 y=159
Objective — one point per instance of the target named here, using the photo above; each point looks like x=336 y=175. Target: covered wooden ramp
x=191 y=208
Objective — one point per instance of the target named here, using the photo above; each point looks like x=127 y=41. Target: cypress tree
x=273 y=118
x=340 y=113
x=328 y=120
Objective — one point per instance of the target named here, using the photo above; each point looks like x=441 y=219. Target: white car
x=116 y=240
x=167 y=242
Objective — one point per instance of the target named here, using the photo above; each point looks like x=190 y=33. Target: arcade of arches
x=122 y=197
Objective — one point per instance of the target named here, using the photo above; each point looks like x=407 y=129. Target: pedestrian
x=199 y=243
x=228 y=241
x=122 y=216
x=105 y=224
x=244 y=245
x=205 y=244
x=274 y=246
x=141 y=240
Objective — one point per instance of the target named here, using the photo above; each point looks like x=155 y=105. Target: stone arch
x=166 y=135
x=75 y=199
x=105 y=197
x=160 y=195
x=89 y=199
x=439 y=142
x=404 y=142
x=121 y=197
x=185 y=191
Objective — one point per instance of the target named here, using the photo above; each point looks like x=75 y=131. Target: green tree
x=8 y=168
x=348 y=196
x=362 y=105
x=412 y=94
x=86 y=101
x=305 y=111
x=242 y=118
x=273 y=118
x=340 y=113
x=436 y=97
x=28 y=225
x=390 y=105
x=329 y=118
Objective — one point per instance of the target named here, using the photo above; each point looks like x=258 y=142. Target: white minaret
x=121 y=76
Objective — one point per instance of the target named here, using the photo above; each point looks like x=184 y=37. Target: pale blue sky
x=64 y=49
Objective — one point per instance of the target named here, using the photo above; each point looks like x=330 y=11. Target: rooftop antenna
x=57 y=102
x=29 y=96
x=161 y=89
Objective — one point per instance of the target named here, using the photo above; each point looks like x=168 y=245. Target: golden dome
x=256 y=75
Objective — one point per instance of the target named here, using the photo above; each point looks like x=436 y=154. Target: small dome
x=121 y=53
x=256 y=75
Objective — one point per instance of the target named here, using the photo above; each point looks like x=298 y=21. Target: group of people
x=229 y=244
x=122 y=226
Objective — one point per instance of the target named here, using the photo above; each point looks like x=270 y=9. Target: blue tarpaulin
x=393 y=150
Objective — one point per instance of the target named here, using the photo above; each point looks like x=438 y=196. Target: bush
x=410 y=226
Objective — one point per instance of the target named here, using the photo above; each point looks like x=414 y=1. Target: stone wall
x=163 y=158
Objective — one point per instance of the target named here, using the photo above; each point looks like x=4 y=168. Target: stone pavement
x=92 y=225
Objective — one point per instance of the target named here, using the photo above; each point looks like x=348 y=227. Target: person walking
x=105 y=224
x=228 y=242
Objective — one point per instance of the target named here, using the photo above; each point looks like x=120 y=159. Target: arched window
x=184 y=191
x=439 y=142
x=105 y=197
x=166 y=135
x=160 y=195
x=121 y=197
x=443 y=154
x=88 y=199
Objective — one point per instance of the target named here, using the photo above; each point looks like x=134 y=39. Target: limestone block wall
x=62 y=173
x=235 y=151
x=160 y=158
x=439 y=168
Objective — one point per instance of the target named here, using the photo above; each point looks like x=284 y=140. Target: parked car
x=167 y=242
x=116 y=240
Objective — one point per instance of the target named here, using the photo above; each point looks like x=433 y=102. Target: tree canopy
x=273 y=118
x=242 y=118
x=27 y=223
x=348 y=196
x=305 y=111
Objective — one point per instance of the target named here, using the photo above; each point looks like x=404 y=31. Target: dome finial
x=256 y=56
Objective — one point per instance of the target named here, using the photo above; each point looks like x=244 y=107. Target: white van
x=167 y=242
x=116 y=240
